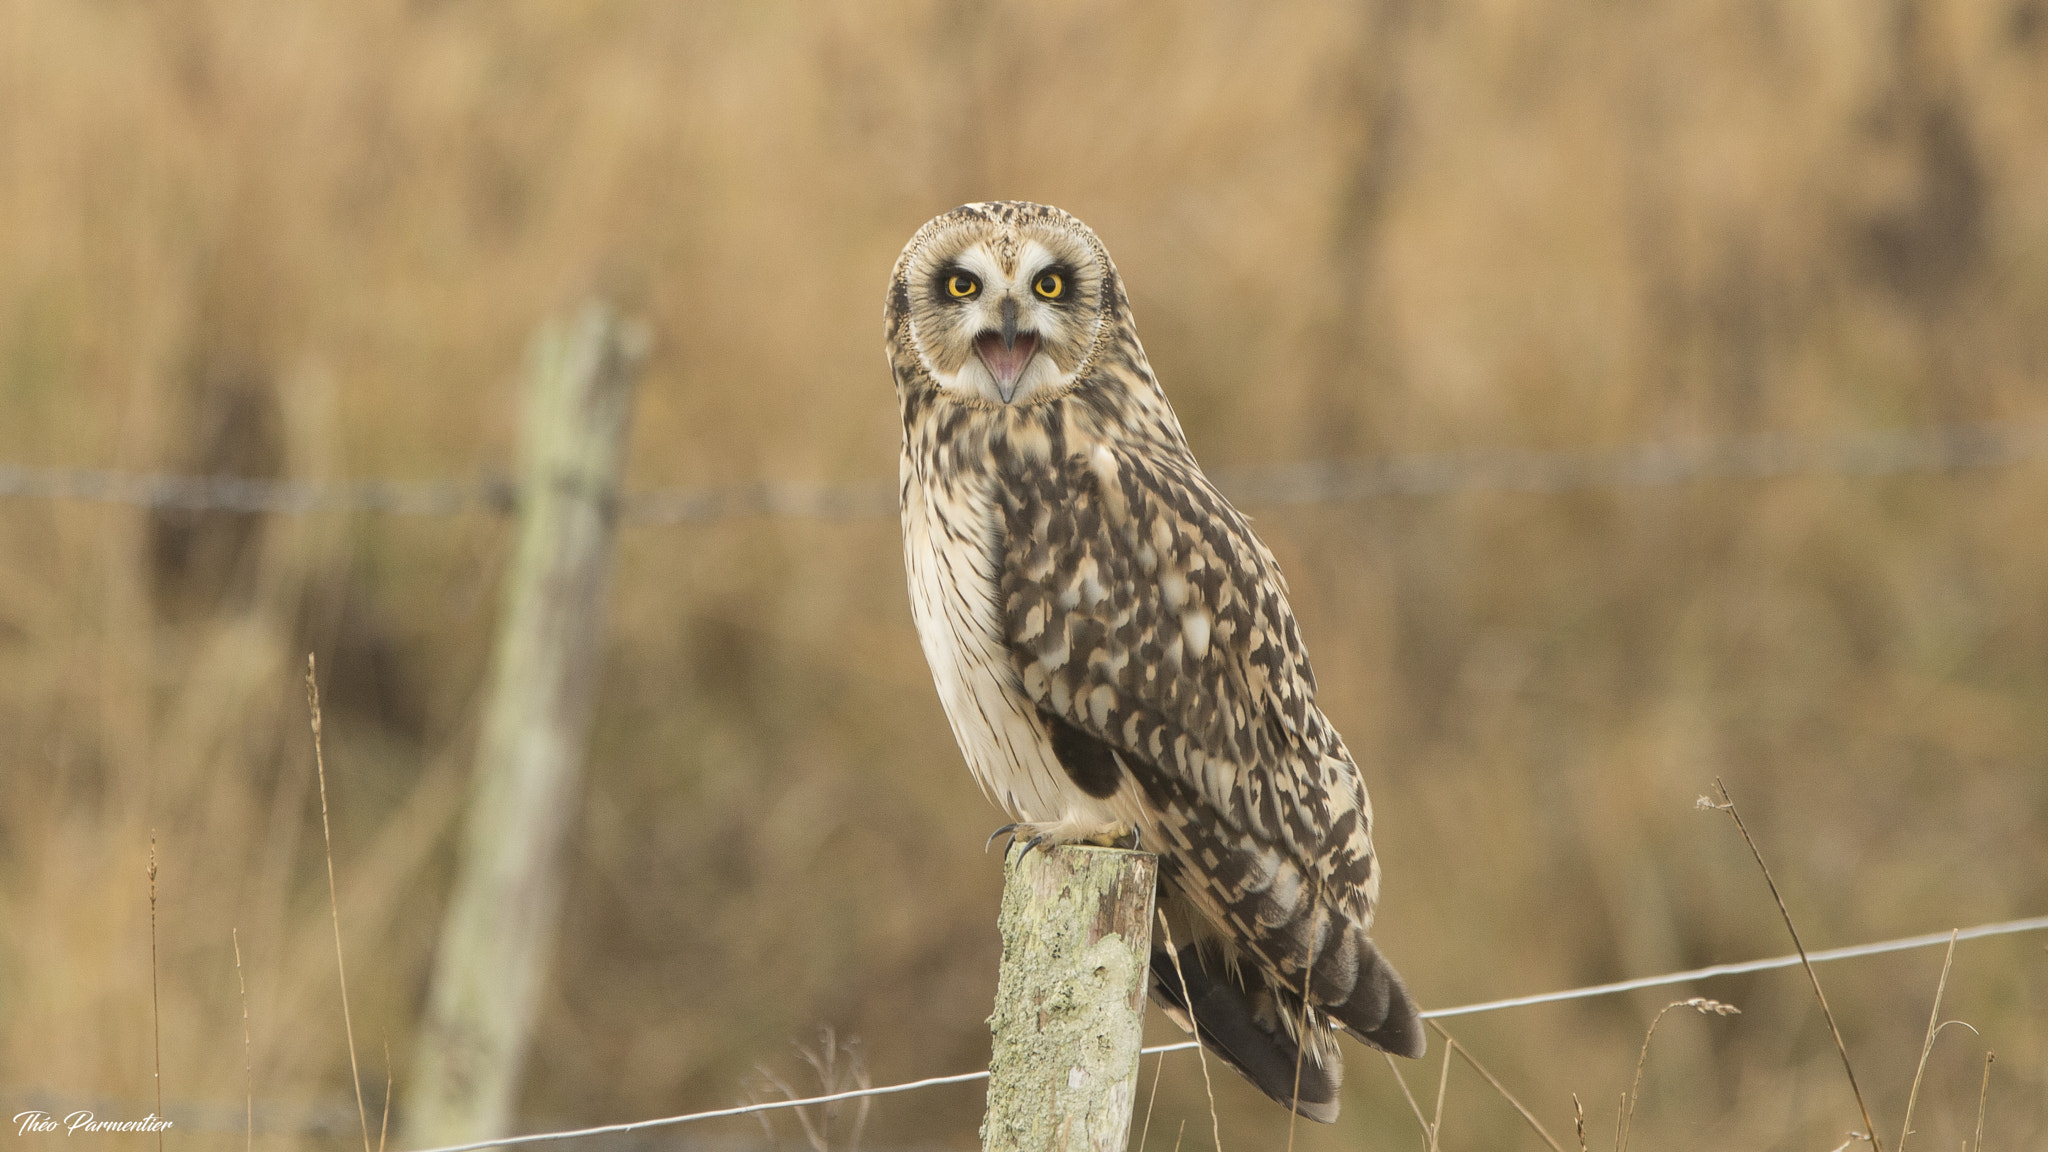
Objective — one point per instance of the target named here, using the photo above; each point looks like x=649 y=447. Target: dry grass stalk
x=789 y=1093
x=1301 y=1046
x=248 y=1060
x=834 y=1079
x=1431 y=1129
x=384 y=1125
x=1727 y=805
x=1420 y=1119
x=825 y=1063
x=1215 y=1124
x=1499 y=1087
x=1704 y=1007
x=1443 y=1082
x=1983 y=1089
x=333 y=901
x=1934 y=1028
x=1151 y=1098
x=155 y=1013
x=1579 y=1119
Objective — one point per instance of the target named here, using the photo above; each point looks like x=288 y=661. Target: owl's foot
x=1124 y=836
x=1114 y=834
x=1034 y=834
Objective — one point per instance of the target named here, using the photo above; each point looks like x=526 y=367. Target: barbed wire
x=1653 y=465
x=1901 y=944
x=246 y=494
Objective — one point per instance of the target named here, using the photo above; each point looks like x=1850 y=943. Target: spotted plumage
x=1113 y=645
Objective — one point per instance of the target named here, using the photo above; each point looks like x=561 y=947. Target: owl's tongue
x=1006 y=364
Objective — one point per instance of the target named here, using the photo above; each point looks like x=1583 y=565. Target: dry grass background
x=310 y=239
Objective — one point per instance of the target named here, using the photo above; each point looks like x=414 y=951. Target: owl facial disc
x=1001 y=304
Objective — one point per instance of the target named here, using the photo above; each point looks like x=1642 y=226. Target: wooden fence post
x=1070 y=1001
x=497 y=939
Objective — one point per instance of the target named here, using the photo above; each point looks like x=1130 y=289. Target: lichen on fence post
x=1070 y=999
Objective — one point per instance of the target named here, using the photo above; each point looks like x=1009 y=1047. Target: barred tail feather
x=1252 y=1027
x=1379 y=1010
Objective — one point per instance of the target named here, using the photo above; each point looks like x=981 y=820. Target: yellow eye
x=1051 y=286
x=960 y=285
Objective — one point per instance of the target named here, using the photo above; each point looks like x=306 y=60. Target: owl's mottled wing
x=1145 y=615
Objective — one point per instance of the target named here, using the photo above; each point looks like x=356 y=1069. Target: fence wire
x=1665 y=464
x=1928 y=940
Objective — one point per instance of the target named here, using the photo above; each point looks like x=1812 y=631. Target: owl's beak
x=1006 y=354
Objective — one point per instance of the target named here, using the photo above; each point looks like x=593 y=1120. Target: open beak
x=1006 y=354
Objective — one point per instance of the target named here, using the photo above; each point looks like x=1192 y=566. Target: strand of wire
x=1928 y=940
x=1655 y=465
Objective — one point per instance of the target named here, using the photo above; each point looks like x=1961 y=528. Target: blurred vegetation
x=310 y=239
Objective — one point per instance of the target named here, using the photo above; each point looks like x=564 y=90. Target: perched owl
x=1114 y=648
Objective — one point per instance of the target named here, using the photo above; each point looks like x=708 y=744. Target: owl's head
x=1003 y=303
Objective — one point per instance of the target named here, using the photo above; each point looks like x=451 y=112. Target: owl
x=1114 y=650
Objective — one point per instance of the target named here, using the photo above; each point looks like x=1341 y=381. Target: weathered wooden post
x=497 y=939
x=1070 y=1000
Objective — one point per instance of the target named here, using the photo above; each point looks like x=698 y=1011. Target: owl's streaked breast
x=950 y=552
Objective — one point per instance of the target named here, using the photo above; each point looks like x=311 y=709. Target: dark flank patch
x=1090 y=763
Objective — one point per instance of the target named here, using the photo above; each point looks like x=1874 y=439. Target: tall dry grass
x=308 y=239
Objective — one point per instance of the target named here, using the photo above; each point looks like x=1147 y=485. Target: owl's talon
x=1035 y=841
x=1010 y=830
